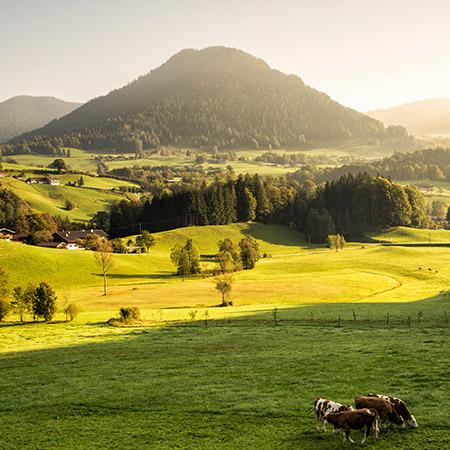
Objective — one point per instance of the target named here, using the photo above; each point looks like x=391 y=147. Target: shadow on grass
x=120 y=276
x=258 y=231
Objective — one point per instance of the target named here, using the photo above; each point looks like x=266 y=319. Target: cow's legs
x=366 y=433
x=317 y=420
x=347 y=436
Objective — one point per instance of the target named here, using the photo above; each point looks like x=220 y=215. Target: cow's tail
x=375 y=424
x=310 y=411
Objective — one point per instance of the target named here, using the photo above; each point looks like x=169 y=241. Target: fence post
x=387 y=319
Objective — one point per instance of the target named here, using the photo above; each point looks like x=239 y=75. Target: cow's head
x=350 y=407
x=412 y=422
x=396 y=419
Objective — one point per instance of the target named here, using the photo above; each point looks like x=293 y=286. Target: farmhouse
x=69 y=238
x=44 y=180
x=6 y=234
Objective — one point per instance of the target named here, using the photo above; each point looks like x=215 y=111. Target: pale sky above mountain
x=365 y=54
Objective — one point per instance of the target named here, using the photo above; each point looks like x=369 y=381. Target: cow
x=322 y=406
x=384 y=408
x=400 y=406
x=346 y=421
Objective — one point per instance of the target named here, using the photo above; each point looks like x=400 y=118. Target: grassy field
x=348 y=323
x=222 y=386
x=293 y=275
x=95 y=196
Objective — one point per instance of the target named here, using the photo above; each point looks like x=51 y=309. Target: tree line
x=347 y=205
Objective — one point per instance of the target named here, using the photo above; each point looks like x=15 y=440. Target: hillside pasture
x=293 y=275
x=94 y=197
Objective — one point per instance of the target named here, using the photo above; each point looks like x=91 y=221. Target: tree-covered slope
x=216 y=96
x=25 y=113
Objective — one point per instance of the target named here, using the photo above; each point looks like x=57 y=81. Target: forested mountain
x=25 y=113
x=213 y=97
x=422 y=117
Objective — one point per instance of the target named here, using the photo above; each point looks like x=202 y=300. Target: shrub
x=129 y=314
x=71 y=311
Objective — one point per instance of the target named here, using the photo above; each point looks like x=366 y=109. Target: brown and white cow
x=384 y=408
x=400 y=407
x=346 y=421
x=322 y=406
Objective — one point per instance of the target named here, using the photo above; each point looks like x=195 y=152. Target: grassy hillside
x=95 y=196
x=411 y=235
x=371 y=274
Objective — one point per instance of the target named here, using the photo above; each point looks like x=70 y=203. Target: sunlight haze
x=365 y=55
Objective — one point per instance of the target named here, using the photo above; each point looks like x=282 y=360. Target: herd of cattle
x=390 y=410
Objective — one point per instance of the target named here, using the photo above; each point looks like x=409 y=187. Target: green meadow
x=96 y=195
x=306 y=322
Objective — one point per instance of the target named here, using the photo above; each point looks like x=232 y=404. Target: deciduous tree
x=105 y=259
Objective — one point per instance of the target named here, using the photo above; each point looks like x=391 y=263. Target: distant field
x=84 y=160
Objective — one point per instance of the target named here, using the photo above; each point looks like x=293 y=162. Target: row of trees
x=349 y=204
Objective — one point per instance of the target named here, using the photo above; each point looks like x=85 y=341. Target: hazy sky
x=365 y=54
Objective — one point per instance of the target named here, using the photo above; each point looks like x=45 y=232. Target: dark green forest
x=217 y=97
x=349 y=205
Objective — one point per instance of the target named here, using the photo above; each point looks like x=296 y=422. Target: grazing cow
x=354 y=420
x=400 y=406
x=322 y=406
x=430 y=269
x=420 y=268
x=384 y=408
